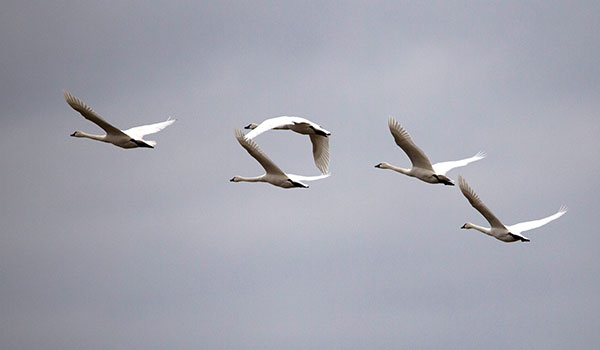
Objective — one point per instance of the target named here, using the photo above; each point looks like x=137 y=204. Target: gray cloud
x=111 y=248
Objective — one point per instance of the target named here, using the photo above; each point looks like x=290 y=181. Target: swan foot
x=317 y=131
x=519 y=238
x=141 y=143
x=444 y=180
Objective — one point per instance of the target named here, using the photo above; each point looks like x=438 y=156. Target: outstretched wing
x=89 y=114
x=443 y=167
x=258 y=154
x=139 y=132
x=530 y=225
x=404 y=141
x=272 y=123
x=477 y=203
x=320 y=148
x=320 y=143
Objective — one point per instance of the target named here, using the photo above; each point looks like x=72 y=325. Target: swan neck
x=91 y=136
x=400 y=170
x=250 y=179
x=485 y=230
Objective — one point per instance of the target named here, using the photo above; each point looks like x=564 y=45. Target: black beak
x=378 y=165
x=464 y=226
x=247 y=126
x=232 y=179
x=73 y=134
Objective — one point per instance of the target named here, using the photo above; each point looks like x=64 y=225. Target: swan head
x=77 y=134
x=383 y=165
x=467 y=225
x=251 y=126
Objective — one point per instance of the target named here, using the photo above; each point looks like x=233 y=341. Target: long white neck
x=91 y=136
x=485 y=230
x=250 y=179
x=398 y=169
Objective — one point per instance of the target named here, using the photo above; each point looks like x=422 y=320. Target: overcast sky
x=106 y=248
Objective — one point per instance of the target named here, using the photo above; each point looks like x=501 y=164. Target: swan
x=318 y=136
x=510 y=233
x=421 y=166
x=273 y=175
x=130 y=138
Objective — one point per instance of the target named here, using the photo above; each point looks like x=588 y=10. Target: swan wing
x=477 y=203
x=300 y=178
x=443 y=167
x=139 y=132
x=89 y=114
x=404 y=141
x=530 y=225
x=288 y=122
x=272 y=123
x=258 y=154
x=320 y=148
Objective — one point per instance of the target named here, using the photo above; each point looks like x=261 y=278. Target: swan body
x=318 y=136
x=497 y=230
x=130 y=138
x=422 y=168
x=273 y=174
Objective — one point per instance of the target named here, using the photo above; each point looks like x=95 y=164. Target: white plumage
x=421 y=166
x=318 y=136
x=130 y=138
x=510 y=233
x=274 y=175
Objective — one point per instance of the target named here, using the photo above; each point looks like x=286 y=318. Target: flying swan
x=318 y=136
x=130 y=138
x=510 y=233
x=421 y=166
x=273 y=175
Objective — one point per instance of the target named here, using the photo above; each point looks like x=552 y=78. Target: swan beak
x=378 y=165
x=232 y=179
x=73 y=134
x=247 y=126
x=464 y=226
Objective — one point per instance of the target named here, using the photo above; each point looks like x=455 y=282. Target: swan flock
x=421 y=168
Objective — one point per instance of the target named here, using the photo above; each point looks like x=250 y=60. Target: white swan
x=510 y=233
x=130 y=138
x=421 y=166
x=273 y=175
x=318 y=136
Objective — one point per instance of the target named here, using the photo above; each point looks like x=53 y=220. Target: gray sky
x=134 y=249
